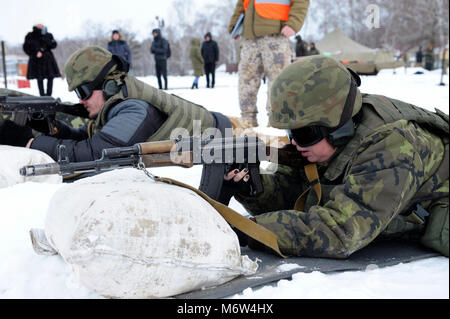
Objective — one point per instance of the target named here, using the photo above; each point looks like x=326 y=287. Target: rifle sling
x=245 y=225
x=313 y=178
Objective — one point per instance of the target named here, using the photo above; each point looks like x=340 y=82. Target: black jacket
x=210 y=50
x=129 y=122
x=120 y=48
x=44 y=67
x=301 y=48
x=419 y=56
x=160 y=47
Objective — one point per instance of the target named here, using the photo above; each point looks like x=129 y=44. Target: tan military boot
x=250 y=119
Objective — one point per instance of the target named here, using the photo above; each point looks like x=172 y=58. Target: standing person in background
x=118 y=46
x=429 y=58
x=419 y=57
x=42 y=64
x=265 y=45
x=160 y=48
x=197 y=61
x=301 y=47
x=210 y=54
x=312 y=49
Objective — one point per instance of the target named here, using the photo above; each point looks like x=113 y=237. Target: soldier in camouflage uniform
x=265 y=47
x=383 y=166
x=124 y=110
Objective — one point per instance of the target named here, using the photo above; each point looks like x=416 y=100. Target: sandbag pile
x=127 y=236
x=13 y=158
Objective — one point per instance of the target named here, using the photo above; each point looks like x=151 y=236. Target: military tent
x=360 y=58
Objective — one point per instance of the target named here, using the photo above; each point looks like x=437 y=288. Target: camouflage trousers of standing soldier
x=263 y=56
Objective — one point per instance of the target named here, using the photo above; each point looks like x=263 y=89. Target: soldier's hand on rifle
x=39 y=125
x=15 y=135
x=235 y=182
x=237 y=175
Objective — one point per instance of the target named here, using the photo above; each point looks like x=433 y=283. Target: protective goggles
x=84 y=91
x=309 y=135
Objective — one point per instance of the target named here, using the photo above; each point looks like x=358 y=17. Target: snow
x=23 y=274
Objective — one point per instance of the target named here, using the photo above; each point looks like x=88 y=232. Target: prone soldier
x=382 y=167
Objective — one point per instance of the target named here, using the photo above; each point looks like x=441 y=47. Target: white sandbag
x=127 y=236
x=12 y=159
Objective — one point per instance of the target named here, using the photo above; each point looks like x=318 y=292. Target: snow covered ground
x=23 y=274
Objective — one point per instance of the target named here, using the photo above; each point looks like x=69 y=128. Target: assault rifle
x=27 y=108
x=245 y=152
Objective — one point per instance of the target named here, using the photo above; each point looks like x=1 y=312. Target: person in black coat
x=160 y=48
x=210 y=54
x=118 y=46
x=301 y=47
x=419 y=57
x=42 y=64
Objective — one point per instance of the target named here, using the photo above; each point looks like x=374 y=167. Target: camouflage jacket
x=381 y=174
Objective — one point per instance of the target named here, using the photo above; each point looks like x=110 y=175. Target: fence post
x=4 y=64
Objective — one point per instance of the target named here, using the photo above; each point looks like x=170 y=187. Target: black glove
x=231 y=188
x=39 y=125
x=14 y=135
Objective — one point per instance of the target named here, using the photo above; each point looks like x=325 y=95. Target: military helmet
x=85 y=64
x=314 y=91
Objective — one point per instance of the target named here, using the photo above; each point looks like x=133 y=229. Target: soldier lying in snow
x=383 y=167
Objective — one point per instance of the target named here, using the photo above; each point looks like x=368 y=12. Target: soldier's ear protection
x=112 y=87
x=109 y=87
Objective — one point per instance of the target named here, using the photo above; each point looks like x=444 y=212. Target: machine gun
x=247 y=151
x=27 y=108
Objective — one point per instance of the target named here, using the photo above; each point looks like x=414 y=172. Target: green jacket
x=389 y=167
x=196 y=57
x=428 y=56
x=257 y=26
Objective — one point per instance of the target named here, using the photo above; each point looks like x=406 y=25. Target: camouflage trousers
x=263 y=56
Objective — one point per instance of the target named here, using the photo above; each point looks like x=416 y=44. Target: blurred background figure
x=41 y=64
x=312 y=49
x=419 y=57
x=118 y=46
x=197 y=61
x=160 y=48
x=301 y=47
x=159 y=23
x=210 y=54
x=429 y=58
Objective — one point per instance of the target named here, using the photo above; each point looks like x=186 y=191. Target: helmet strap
x=346 y=127
x=349 y=103
x=115 y=60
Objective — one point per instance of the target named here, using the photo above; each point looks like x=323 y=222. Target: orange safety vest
x=271 y=9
